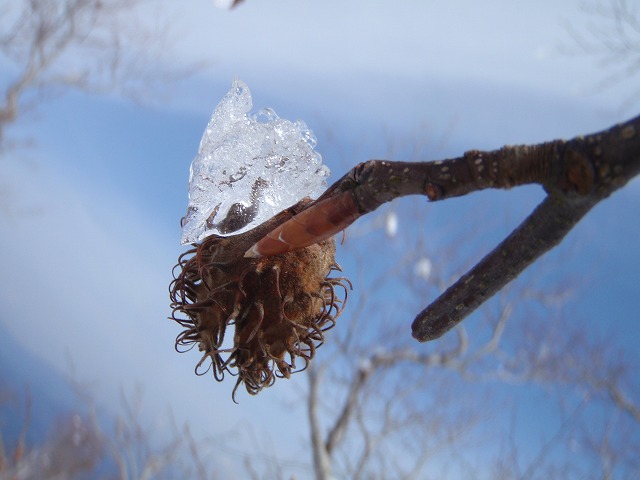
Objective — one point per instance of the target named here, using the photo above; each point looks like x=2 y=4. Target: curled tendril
x=279 y=308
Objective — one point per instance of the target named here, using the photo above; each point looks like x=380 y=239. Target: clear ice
x=248 y=168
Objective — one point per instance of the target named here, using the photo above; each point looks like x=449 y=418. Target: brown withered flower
x=279 y=306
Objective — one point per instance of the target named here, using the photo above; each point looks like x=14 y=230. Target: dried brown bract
x=280 y=306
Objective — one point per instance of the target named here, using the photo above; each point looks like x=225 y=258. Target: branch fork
x=576 y=174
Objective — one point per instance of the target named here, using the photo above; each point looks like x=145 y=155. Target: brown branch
x=375 y=182
x=576 y=174
x=540 y=232
x=590 y=169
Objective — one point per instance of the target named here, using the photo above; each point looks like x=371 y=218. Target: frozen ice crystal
x=248 y=168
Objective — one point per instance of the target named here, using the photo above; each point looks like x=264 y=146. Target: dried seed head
x=279 y=306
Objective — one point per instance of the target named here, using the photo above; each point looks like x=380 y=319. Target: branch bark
x=584 y=171
x=576 y=175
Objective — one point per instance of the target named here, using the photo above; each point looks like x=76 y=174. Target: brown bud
x=279 y=306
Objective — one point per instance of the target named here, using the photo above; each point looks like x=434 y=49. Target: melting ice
x=248 y=168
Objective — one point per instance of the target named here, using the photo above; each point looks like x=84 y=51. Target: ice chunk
x=249 y=167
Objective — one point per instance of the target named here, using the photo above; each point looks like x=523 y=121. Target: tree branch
x=89 y=45
x=539 y=233
x=588 y=170
x=321 y=458
x=576 y=175
x=337 y=432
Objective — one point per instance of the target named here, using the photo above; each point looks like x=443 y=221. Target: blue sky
x=91 y=232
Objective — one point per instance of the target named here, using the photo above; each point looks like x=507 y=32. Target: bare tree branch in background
x=91 y=45
x=380 y=406
x=598 y=396
x=612 y=37
x=81 y=446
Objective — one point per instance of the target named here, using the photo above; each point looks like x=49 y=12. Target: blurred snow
x=391 y=224
x=249 y=167
x=423 y=268
x=224 y=4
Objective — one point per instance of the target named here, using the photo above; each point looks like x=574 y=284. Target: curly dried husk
x=279 y=306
